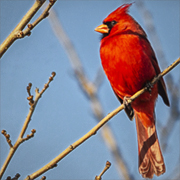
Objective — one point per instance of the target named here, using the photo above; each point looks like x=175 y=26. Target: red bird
x=130 y=63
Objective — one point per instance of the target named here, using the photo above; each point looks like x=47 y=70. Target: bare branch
x=7 y=136
x=108 y=165
x=44 y=14
x=18 y=32
x=33 y=131
x=20 y=139
x=16 y=177
x=94 y=130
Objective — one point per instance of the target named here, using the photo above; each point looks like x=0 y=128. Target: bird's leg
x=128 y=108
x=149 y=87
x=126 y=104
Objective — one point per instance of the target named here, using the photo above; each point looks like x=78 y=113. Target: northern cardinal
x=130 y=63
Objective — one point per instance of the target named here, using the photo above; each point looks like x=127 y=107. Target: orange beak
x=103 y=28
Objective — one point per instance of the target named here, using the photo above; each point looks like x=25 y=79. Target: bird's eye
x=110 y=24
x=113 y=23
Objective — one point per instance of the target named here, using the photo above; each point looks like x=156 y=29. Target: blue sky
x=63 y=114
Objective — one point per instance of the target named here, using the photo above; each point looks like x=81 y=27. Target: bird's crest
x=122 y=10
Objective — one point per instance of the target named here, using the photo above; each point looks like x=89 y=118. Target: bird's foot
x=149 y=87
x=126 y=104
x=127 y=107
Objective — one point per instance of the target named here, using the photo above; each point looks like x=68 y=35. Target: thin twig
x=18 y=32
x=94 y=130
x=44 y=14
x=108 y=165
x=16 y=177
x=7 y=136
x=20 y=139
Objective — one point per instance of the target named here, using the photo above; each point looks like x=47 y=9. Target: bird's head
x=119 y=21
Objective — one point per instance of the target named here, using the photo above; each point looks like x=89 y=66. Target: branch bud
x=30 y=26
x=50 y=78
x=108 y=164
x=3 y=132
x=29 y=33
x=7 y=136
x=52 y=1
x=46 y=15
x=53 y=74
x=20 y=34
x=8 y=178
x=46 y=86
x=43 y=178
x=30 y=85
x=17 y=175
x=33 y=131
x=30 y=98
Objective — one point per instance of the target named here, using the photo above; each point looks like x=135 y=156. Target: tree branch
x=7 y=136
x=20 y=139
x=18 y=32
x=16 y=177
x=108 y=165
x=94 y=130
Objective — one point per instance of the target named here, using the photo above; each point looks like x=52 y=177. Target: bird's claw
x=149 y=87
x=126 y=103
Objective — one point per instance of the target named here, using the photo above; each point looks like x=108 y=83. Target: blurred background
x=66 y=112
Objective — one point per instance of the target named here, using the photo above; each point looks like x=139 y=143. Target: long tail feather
x=150 y=157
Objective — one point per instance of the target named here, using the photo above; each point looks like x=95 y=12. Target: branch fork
x=19 y=31
x=21 y=139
